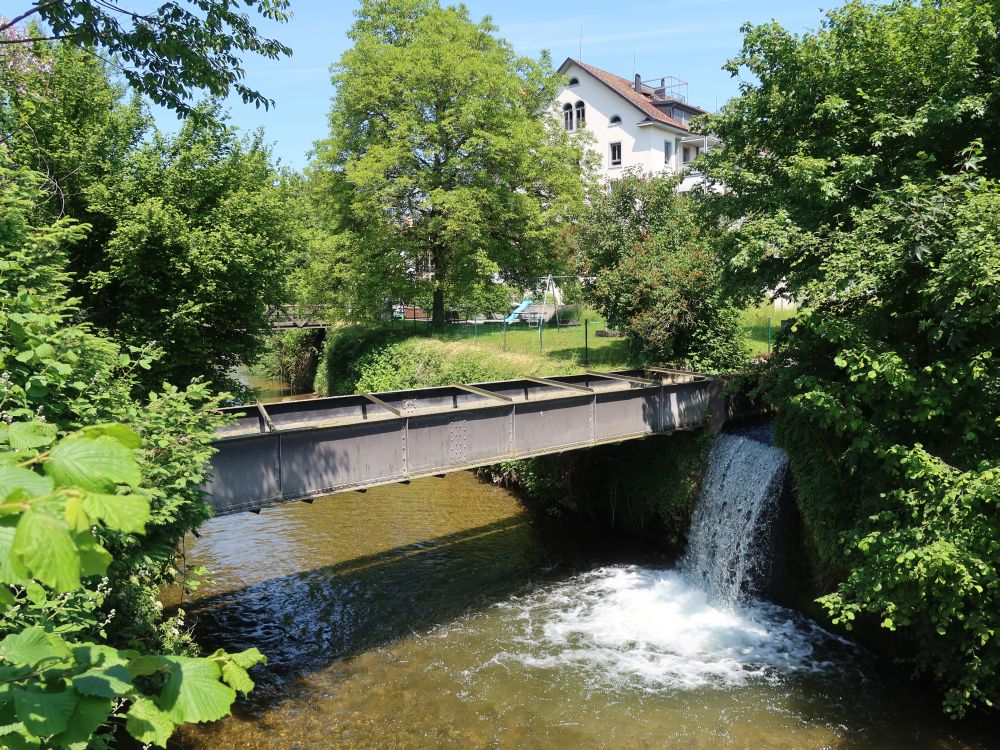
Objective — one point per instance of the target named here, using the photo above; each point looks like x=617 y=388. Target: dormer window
x=581 y=115
x=568 y=116
x=574 y=81
x=615 y=120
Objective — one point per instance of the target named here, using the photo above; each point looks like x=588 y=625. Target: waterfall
x=729 y=544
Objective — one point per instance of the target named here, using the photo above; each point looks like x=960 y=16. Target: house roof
x=625 y=89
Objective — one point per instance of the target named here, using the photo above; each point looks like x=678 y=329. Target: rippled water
x=440 y=614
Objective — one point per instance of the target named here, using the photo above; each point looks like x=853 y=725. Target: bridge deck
x=298 y=450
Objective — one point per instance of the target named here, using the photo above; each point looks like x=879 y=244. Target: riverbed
x=442 y=614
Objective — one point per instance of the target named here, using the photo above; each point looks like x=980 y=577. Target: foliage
x=839 y=186
x=879 y=93
x=169 y=53
x=292 y=356
x=890 y=367
x=198 y=250
x=56 y=369
x=461 y=179
x=360 y=359
x=59 y=686
x=72 y=122
x=657 y=277
x=646 y=489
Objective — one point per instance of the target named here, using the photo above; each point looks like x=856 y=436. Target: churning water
x=441 y=614
x=692 y=627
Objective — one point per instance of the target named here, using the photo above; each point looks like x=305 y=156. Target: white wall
x=642 y=147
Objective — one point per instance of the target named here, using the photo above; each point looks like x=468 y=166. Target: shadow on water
x=307 y=621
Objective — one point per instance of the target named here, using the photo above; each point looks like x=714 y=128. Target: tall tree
x=441 y=165
x=72 y=121
x=861 y=168
x=203 y=234
x=181 y=47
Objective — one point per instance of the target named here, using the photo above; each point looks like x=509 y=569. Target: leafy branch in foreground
x=167 y=53
x=58 y=689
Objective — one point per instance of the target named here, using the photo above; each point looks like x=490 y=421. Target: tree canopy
x=441 y=168
x=656 y=274
x=861 y=176
x=181 y=47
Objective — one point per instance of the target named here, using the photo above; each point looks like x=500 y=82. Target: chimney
x=638 y=83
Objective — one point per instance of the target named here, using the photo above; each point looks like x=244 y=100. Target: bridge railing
x=301 y=449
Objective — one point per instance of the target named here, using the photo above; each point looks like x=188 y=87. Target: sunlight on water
x=440 y=615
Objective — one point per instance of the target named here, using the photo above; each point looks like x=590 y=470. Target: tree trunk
x=437 y=317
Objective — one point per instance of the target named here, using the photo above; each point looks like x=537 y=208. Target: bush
x=361 y=359
x=658 y=279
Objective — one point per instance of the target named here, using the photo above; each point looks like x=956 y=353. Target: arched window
x=568 y=116
x=616 y=120
x=581 y=115
x=574 y=81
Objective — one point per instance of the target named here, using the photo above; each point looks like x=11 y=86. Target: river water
x=442 y=614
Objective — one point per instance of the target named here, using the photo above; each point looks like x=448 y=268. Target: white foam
x=656 y=630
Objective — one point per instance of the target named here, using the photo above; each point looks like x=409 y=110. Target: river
x=442 y=614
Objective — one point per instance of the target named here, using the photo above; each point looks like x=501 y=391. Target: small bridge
x=299 y=450
x=286 y=317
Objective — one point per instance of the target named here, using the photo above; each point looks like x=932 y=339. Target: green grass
x=757 y=319
x=564 y=343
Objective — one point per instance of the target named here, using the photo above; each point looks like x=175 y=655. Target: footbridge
x=299 y=450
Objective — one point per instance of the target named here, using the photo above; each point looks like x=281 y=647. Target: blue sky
x=687 y=38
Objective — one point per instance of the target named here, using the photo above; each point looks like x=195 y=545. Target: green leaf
x=22 y=436
x=248 y=658
x=44 y=549
x=193 y=692
x=148 y=724
x=8 y=527
x=128 y=513
x=106 y=682
x=91 y=713
x=147 y=665
x=236 y=677
x=14 y=477
x=32 y=646
x=45 y=713
x=94 y=559
x=96 y=464
x=120 y=432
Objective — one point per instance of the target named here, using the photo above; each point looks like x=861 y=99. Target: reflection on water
x=268 y=389
x=440 y=614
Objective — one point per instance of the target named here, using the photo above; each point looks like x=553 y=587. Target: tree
x=841 y=183
x=656 y=275
x=202 y=236
x=880 y=93
x=70 y=121
x=441 y=167
x=181 y=47
x=89 y=523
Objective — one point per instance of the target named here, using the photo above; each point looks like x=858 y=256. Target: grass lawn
x=758 y=321
x=566 y=343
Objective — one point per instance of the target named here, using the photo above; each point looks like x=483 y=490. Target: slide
x=512 y=318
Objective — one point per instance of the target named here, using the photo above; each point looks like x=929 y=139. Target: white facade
x=624 y=133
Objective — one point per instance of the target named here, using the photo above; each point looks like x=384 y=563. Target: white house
x=637 y=124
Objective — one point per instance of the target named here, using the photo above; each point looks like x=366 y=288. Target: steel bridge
x=299 y=450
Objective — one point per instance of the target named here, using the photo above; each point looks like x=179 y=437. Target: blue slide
x=512 y=318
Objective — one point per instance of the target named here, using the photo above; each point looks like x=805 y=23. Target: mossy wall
x=644 y=488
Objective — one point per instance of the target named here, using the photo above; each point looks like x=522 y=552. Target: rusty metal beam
x=557 y=384
x=485 y=393
x=625 y=378
x=376 y=400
